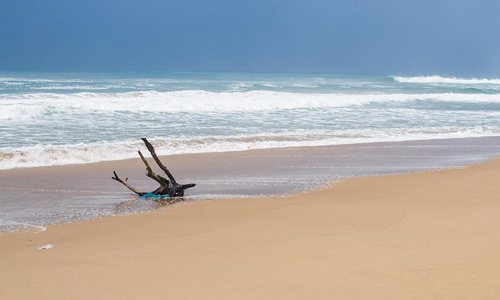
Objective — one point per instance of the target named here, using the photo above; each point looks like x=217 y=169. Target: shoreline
x=426 y=235
x=62 y=194
x=417 y=141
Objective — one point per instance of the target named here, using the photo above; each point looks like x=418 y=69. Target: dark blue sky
x=389 y=37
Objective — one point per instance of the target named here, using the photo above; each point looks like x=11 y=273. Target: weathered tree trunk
x=168 y=186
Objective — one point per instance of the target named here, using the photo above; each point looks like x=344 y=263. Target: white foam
x=241 y=86
x=21 y=112
x=23 y=106
x=75 y=87
x=10 y=224
x=53 y=155
x=40 y=229
x=448 y=80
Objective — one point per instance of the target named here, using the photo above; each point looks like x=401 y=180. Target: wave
x=448 y=80
x=41 y=80
x=76 y=87
x=21 y=112
x=82 y=153
x=23 y=106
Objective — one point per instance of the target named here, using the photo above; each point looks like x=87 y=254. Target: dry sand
x=431 y=235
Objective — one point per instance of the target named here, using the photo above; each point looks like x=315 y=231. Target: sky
x=383 y=37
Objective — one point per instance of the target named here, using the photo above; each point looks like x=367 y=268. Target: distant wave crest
x=439 y=79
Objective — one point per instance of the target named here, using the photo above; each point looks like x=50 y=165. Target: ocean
x=54 y=125
x=51 y=119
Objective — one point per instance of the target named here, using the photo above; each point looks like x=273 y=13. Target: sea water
x=59 y=118
x=53 y=119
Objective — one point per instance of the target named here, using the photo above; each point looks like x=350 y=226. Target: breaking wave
x=447 y=80
x=54 y=155
x=23 y=106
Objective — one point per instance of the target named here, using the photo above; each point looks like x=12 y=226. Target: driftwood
x=168 y=186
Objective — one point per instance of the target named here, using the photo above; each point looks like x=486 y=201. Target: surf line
x=39 y=227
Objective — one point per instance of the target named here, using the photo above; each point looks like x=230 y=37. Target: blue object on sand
x=151 y=195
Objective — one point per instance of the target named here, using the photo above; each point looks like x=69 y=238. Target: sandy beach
x=241 y=150
x=428 y=235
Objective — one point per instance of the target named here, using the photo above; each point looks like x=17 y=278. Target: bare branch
x=187 y=186
x=151 y=174
x=158 y=162
x=127 y=185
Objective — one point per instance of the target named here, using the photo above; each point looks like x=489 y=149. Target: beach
x=249 y=150
x=236 y=135
x=425 y=235
x=307 y=186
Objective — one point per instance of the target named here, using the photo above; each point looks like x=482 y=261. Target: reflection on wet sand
x=139 y=204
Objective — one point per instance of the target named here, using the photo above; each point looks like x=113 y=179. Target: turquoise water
x=56 y=119
x=63 y=118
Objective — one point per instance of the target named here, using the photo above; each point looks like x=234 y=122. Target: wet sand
x=428 y=235
x=48 y=195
